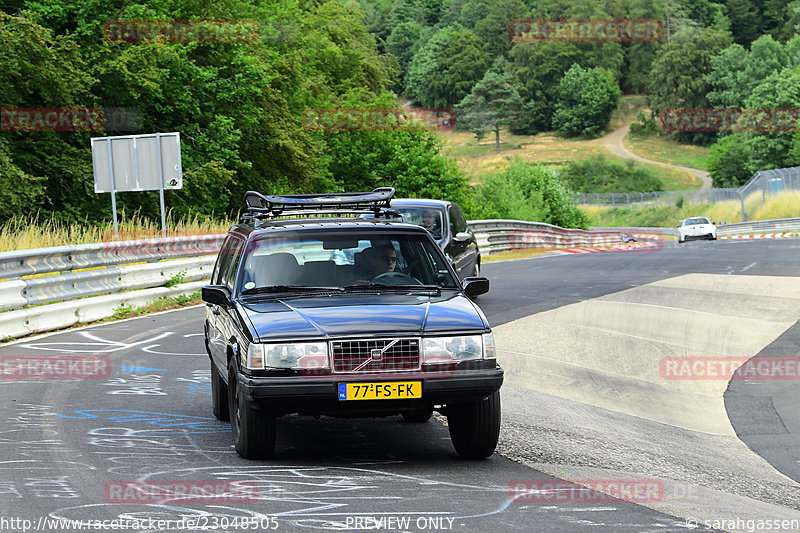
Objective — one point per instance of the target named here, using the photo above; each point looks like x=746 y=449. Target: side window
x=223 y=261
x=237 y=248
x=458 y=222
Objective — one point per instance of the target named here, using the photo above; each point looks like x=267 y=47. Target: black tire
x=418 y=416
x=253 y=430
x=219 y=395
x=475 y=427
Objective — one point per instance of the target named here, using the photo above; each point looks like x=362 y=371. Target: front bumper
x=317 y=395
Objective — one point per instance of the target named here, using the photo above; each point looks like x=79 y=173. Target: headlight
x=295 y=356
x=452 y=349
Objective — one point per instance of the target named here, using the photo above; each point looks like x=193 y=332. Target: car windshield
x=693 y=221
x=300 y=261
x=429 y=218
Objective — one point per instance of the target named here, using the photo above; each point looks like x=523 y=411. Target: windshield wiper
x=373 y=286
x=288 y=288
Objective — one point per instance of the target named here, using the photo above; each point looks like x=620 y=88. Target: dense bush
x=598 y=174
x=527 y=192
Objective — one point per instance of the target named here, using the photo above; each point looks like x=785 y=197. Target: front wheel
x=219 y=395
x=253 y=430
x=475 y=427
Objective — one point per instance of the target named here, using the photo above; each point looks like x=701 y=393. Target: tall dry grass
x=34 y=232
x=783 y=205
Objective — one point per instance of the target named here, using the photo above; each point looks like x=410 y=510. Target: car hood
x=363 y=315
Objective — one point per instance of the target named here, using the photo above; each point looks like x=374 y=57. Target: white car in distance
x=696 y=228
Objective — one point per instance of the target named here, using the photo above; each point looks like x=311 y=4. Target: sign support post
x=137 y=163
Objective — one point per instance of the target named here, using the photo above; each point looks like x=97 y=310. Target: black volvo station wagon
x=316 y=310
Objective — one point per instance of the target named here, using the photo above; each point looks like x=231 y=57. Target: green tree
x=492 y=29
x=20 y=193
x=586 y=99
x=679 y=69
x=493 y=102
x=446 y=67
x=780 y=90
x=728 y=88
x=735 y=72
x=408 y=160
x=403 y=43
x=729 y=162
x=538 y=68
x=745 y=21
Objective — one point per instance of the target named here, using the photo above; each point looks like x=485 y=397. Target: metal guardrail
x=784 y=225
x=90 y=280
x=79 y=256
x=498 y=235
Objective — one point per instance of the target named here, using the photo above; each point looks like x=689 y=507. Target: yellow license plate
x=380 y=391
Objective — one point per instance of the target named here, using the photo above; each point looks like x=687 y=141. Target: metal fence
x=498 y=235
x=766 y=182
x=50 y=288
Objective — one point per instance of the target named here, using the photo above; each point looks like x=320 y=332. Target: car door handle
x=215 y=311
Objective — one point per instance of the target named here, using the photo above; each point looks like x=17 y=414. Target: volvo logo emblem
x=376 y=354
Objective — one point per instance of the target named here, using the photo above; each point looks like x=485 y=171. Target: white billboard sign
x=131 y=162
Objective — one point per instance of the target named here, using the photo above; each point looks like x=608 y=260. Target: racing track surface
x=68 y=444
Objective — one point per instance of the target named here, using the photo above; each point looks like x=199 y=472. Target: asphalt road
x=72 y=448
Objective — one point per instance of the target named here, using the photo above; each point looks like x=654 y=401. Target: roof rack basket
x=261 y=206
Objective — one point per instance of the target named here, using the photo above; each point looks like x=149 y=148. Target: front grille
x=380 y=355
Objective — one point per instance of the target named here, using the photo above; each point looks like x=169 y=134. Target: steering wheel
x=396 y=278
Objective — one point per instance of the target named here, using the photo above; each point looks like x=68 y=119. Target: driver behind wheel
x=381 y=258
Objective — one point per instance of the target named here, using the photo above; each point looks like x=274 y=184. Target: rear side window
x=458 y=221
x=223 y=261
x=227 y=261
x=229 y=276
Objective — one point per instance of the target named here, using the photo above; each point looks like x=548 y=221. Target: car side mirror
x=462 y=236
x=475 y=286
x=216 y=294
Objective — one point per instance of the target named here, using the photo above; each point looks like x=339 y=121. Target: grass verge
x=164 y=303
x=667 y=150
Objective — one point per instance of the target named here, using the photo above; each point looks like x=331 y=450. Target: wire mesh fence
x=766 y=182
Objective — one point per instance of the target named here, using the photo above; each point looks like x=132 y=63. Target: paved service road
x=138 y=425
